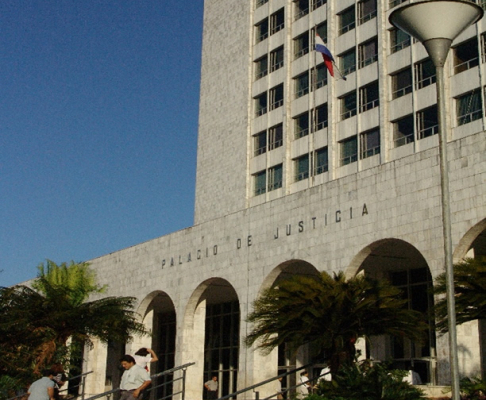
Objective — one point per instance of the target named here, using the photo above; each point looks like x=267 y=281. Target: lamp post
x=436 y=23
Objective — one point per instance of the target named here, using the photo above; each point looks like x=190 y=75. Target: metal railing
x=109 y=393
x=81 y=384
x=256 y=385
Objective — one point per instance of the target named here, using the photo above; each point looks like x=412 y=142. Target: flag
x=327 y=56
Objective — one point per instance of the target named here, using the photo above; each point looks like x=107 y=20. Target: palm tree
x=331 y=313
x=35 y=326
x=469 y=293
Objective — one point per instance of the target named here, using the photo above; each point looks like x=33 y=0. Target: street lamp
x=436 y=23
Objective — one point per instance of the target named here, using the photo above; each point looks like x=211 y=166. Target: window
x=301 y=85
x=318 y=3
x=301 y=123
x=301 y=45
x=369 y=97
x=276 y=96
x=261 y=104
x=399 y=40
x=260 y=140
x=260 y=179
x=301 y=8
x=368 y=53
x=320 y=76
x=469 y=107
x=275 y=177
x=466 y=55
x=348 y=105
x=402 y=83
x=367 y=10
x=349 y=150
x=261 y=67
x=301 y=165
x=321 y=30
x=347 y=20
x=275 y=136
x=348 y=61
x=370 y=143
x=321 y=164
x=415 y=284
x=403 y=131
x=394 y=3
x=276 y=59
x=261 y=30
x=320 y=117
x=260 y=3
x=427 y=122
x=277 y=21
x=424 y=73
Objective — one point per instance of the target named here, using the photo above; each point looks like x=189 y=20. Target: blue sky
x=98 y=126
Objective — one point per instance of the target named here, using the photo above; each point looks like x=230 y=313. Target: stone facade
x=379 y=214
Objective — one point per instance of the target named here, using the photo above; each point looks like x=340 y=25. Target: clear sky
x=98 y=126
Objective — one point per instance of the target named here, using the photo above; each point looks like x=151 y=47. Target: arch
x=472 y=333
x=475 y=236
x=405 y=267
x=386 y=249
x=287 y=269
x=279 y=360
x=210 y=336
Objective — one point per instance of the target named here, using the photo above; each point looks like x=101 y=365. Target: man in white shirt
x=134 y=380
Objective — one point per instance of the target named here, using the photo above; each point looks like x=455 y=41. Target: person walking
x=144 y=356
x=134 y=379
x=43 y=388
x=212 y=388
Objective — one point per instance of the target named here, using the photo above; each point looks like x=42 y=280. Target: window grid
x=260 y=140
x=321 y=161
x=402 y=83
x=301 y=168
x=275 y=137
x=276 y=59
x=466 y=55
x=260 y=3
x=276 y=97
x=427 y=122
x=347 y=20
x=424 y=73
x=277 y=21
x=469 y=107
x=301 y=9
x=370 y=143
x=349 y=150
x=275 y=177
x=403 y=131
x=367 y=10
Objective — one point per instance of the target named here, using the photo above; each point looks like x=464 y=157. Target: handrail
x=166 y=372
x=234 y=394
x=70 y=379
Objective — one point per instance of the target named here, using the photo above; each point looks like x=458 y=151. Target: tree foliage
x=469 y=293
x=331 y=313
x=76 y=276
x=35 y=326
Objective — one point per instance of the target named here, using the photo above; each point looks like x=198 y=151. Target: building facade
x=299 y=172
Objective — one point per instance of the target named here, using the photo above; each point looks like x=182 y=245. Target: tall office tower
x=274 y=122
x=299 y=172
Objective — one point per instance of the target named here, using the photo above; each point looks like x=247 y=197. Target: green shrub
x=473 y=388
x=368 y=381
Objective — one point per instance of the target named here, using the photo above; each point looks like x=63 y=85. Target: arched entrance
x=160 y=318
x=222 y=332
x=287 y=361
x=404 y=266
